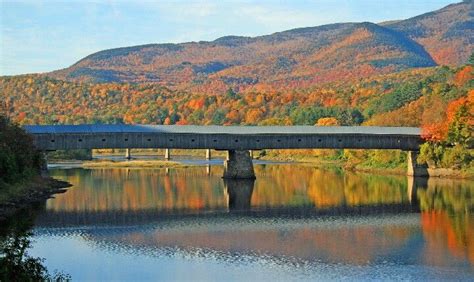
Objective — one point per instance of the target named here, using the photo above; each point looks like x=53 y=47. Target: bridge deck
x=57 y=137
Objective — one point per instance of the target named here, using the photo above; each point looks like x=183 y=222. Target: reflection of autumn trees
x=447 y=218
x=191 y=188
x=451 y=196
x=447 y=224
x=130 y=190
x=442 y=231
x=328 y=190
x=285 y=185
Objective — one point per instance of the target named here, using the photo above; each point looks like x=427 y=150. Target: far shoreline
x=146 y=162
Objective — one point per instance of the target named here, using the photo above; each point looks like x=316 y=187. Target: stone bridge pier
x=238 y=165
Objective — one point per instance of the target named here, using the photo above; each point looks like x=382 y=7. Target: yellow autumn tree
x=327 y=121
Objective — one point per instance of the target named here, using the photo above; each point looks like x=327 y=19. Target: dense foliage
x=15 y=263
x=409 y=98
x=451 y=142
x=19 y=160
x=418 y=97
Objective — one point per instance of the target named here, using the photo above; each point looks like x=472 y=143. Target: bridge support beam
x=238 y=165
x=167 y=154
x=415 y=169
x=208 y=154
x=128 y=154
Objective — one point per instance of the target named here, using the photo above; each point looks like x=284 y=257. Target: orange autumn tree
x=450 y=142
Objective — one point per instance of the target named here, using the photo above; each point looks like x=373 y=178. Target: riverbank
x=381 y=168
x=369 y=167
x=17 y=196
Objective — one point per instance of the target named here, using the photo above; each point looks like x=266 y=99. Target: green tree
x=470 y=61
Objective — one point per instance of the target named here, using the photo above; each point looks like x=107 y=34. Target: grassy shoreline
x=312 y=161
x=20 y=195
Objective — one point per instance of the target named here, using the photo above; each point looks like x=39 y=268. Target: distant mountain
x=447 y=34
x=298 y=57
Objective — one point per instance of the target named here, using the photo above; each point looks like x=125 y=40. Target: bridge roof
x=214 y=129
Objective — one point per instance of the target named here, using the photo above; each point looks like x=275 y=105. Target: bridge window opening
x=299 y=140
x=339 y=140
x=126 y=140
x=236 y=140
x=148 y=139
x=319 y=140
x=52 y=141
x=103 y=140
x=214 y=140
x=171 y=140
x=258 y=140
x=278 y=140
x=359 y=140
x=192 y=140
x=80 y=140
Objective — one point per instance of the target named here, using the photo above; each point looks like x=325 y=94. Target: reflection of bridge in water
x=238 y=193
x=237 y=140
x=378 y=217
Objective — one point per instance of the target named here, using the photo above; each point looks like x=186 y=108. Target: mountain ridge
x=296 y=57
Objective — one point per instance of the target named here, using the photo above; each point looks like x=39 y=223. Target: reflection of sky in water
x=219 y=247
x=159 y=226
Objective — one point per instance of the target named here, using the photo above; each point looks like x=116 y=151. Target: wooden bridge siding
x=67 y=141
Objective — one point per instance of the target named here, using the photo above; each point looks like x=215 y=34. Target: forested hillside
x=447 y=34
x=299 y=57
x=408 y=98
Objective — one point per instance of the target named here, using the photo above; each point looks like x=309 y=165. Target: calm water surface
x=293 y=222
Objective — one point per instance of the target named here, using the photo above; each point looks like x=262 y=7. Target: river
x=294 y=222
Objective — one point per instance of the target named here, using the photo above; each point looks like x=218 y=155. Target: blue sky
x=41 y=36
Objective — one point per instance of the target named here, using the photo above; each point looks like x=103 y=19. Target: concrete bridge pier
x=128 y=154
x=167 y=154
x=238 y=165
x=44 y=164
x=239 y=192
x=208 y=154
x=415 y=169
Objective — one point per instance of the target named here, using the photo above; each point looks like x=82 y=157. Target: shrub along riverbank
x=20 y=167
